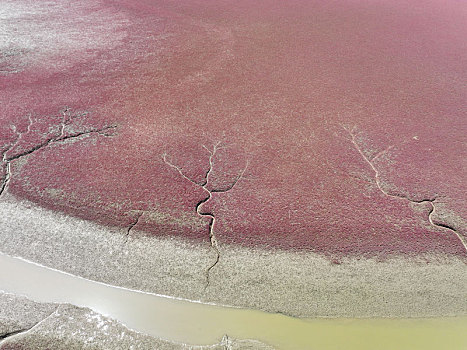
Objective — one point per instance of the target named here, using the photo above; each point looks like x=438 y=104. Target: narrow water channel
x=196 y=323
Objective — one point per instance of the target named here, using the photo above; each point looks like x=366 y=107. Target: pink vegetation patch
x=334 y=127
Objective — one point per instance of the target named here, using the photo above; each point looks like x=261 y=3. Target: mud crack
x=10 y=334
x=211 y=217
x=6 y=160
x=5 y=337
x=131 y=226
x=370 y=161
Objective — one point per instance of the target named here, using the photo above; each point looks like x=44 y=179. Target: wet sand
x=68 y=327
x=181 y=321
x=306 y=285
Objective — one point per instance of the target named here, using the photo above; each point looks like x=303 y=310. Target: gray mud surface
x=27 y=325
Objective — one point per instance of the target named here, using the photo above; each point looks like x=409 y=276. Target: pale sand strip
x=298 y=284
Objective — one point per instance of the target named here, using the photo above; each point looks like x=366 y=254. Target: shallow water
x=196 y=323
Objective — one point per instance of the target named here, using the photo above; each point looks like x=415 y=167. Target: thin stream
x=197 y=323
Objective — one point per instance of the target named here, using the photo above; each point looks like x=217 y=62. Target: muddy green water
x=196 y=323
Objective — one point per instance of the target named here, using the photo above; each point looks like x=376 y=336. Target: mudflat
x=298 y=157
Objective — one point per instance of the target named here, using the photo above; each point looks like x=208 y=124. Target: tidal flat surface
x=198 y=323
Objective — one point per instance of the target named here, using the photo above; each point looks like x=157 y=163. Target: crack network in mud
x=370 y=161
x=6 y=161
x=209 y=215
